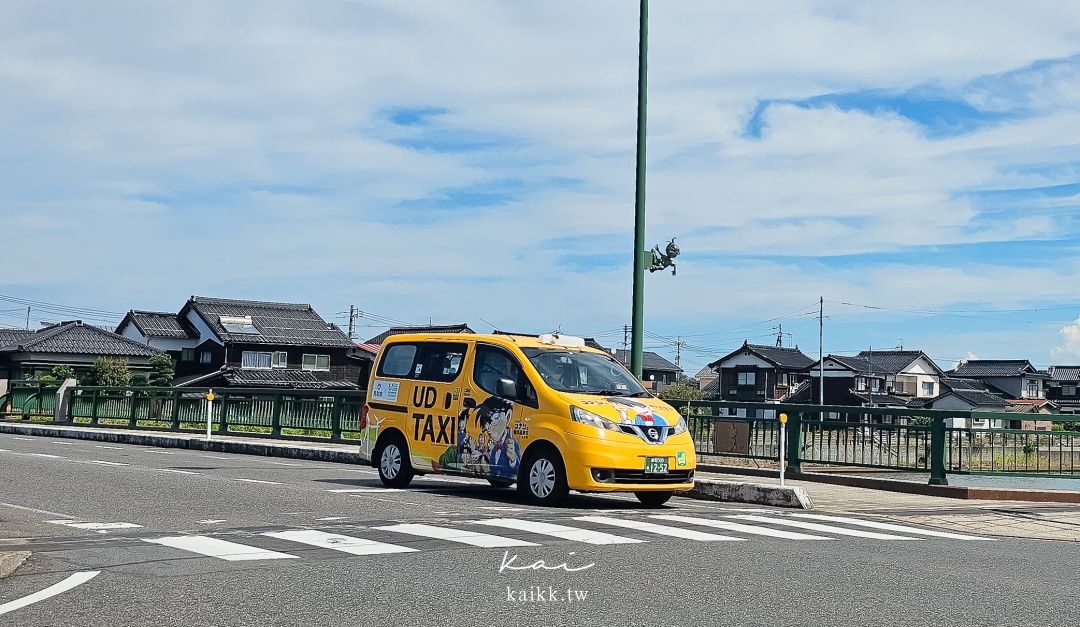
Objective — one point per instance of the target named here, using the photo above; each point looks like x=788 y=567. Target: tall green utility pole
x=638 y=321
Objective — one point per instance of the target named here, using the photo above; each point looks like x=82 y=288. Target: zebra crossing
x=403 y=538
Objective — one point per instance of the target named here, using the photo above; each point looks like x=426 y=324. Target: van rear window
x=398 y=361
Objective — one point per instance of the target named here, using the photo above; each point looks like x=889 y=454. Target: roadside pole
x=209 y=412
x=783 y=446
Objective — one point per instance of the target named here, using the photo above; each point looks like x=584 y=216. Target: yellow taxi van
x=547 y=413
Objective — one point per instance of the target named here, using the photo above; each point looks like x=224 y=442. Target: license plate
x=656 y=465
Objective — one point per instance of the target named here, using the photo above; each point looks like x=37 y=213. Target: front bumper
x=595 y=465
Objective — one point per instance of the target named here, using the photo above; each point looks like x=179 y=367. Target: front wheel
x=653 y=499
x=542 y=478
x=395 y=471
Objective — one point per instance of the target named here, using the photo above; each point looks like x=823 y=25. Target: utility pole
x=639 y=195
x=352 y=322
x=870 y=376
x=678 y=351
x=28 y=317
x=821 y=350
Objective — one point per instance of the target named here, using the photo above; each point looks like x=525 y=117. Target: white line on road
x=259 y=481
x=559 y=531
x=23 y=439
x=36 y=511
x=210 y=521
x=331 y=518
x=160 y=452
x=890 y=527
x=345 y=544
x=63 y=443
x=348 y=490
x=221 y=549
x=179 y=472
x=112 y=447
x=456 y=535
x=732 y=526
x=94 y=525
x=664 y=530
x=101 y=461
x=4 y=450
x=213 y=457
x=53 y=590
x=822 y=528
x=48 y=455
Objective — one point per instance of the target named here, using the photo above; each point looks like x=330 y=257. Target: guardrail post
x=94 y=408
x=133 y=420
x=937 y=452
x=174 y=419
x=794 y=442
x=275 y=414
x=335 y=418
x=223 y=422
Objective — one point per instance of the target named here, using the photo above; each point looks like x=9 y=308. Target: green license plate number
x=656 y=465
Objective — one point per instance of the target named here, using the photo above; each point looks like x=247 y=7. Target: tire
x=392 y=456
x=653 y=499
x=542 y=478
x=500 y=483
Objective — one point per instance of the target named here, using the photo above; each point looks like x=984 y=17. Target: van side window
x=492 y=364
x=438 y=361
x=397 y=361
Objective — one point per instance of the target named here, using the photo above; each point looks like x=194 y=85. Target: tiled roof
x=372 y=349
x=157 y=324
x=858 y=364
x=429 y=328
x=1030 y=406
x=705 y=372
x=1057 y=373
x=980 y=399
x=881 y=399
x=649 y=360
x=276 y=323
x=277 y=378
x=76 y=338
x=790 y=358
x=712 y=390
x=13 y=336
x=894 y=362
x=993 y=368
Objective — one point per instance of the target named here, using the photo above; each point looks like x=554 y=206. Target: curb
x=756 y=493
x=9 y=561
x=291 y=451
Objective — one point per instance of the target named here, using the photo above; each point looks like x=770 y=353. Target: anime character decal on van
x=634 y=412
x=495 y=452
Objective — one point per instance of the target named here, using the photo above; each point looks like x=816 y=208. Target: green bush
x=681 y=392
x=161 y=371
x=109 y=372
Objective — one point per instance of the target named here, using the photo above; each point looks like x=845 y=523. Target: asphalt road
x=190 y=538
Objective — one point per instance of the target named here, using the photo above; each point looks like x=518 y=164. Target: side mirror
x=506 y=388
x=469 y=402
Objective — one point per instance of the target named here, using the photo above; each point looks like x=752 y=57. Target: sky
x=915 y=164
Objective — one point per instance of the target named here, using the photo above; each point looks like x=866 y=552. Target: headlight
x=586 y=417
x=680 y=427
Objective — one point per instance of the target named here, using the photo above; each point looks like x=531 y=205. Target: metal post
x=794 y=443
x=782 y=445
x=636 y=340
x=209 y=412
x=937 y=452
x=821 y=352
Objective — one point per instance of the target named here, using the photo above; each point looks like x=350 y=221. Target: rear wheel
x=395 y=471
x=500 y=483
x=653 y=499
x=542 y=478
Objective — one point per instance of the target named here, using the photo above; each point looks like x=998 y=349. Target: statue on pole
x=662 y=261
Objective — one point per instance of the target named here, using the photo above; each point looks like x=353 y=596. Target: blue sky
x=452 y=163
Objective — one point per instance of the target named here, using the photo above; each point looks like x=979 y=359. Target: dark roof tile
x=275 y=323
x=75 y=338
x=790 y=358
x=994 y=368
x=158 y=324
x=649 y=361
x=429 y=328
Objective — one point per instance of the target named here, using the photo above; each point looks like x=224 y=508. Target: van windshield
x=584 y=373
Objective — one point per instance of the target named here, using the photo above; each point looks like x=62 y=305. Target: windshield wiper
x=609 y=392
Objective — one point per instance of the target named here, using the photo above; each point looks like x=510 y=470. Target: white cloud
x=1069 y=349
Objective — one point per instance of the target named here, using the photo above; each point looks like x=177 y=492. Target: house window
x=187 y=354
x=281 y=359
x=860 y=384
x=316 y=362
x=875 y=384
x=205 y=357
x=1068 y=390
x=1032 y=388
x=747 y=378
x=255 y=360
x=928 y=388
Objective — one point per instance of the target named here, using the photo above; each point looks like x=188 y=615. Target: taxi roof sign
x=557 y=339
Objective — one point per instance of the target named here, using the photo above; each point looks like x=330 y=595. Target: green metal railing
x=313 y=414
x=29 y=398
x=934 y=441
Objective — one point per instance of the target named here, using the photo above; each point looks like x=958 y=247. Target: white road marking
x=822 y=528
x=210 y=521
x=350 y=490
x=559 y=531
x=62 y=443
x=258 y=481
x=890 y=527
x=101 y=461
x=36 y=511
x=665 y=530
x=4 y=450
x=456 y=535
x=345 y=544
x=332 y=518
x=47 y=455
x=156 y=452
x=179 y=472
x=733 y=526
x=53 y=590
x=221 y=549
x=23 y=439
x=504 y=508
x=94 y=525
x=112 y=447
x=213 y=457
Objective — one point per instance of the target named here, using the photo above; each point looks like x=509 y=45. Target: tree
x=62 y=372
x=681 y=392
x=139 y=380
x=109 y=372
x=161 y=371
